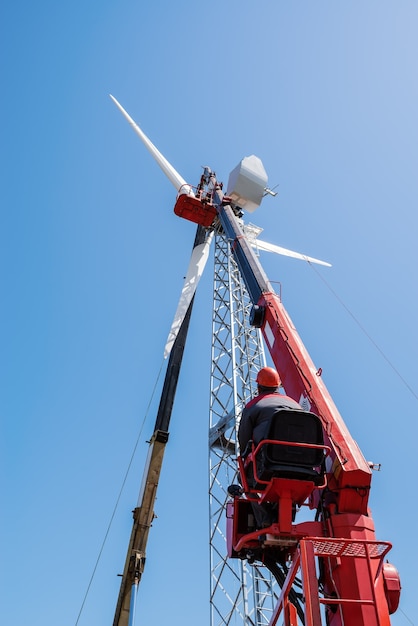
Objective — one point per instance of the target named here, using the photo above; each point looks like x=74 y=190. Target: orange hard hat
x=268 y=377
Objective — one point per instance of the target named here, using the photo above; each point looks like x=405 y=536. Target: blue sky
x=93 y=258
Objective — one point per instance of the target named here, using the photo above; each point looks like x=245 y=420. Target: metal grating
x=350 y=548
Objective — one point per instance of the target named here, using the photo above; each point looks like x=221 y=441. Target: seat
x=284 y=460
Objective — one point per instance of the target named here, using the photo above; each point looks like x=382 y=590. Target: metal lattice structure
x=240 y=593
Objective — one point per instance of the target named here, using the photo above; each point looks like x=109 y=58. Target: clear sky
x=93 y=257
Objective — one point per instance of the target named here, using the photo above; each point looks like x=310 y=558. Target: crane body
x=358 y=588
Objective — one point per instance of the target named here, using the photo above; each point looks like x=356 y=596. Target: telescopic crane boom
x=358 y=589
x=143 y=514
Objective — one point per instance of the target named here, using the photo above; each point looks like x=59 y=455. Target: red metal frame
x=371 y=553
x=286 y=491
x=252 y=458
x=198 y=208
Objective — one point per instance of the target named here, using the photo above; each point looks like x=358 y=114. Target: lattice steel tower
x=239 y=593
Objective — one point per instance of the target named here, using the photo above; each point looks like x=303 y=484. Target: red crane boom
x=337 y=555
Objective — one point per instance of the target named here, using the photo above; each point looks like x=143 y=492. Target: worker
x=255 y=420
x=258 y=411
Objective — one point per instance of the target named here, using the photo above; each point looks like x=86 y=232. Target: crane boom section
x=143 y=516
x=144 y=513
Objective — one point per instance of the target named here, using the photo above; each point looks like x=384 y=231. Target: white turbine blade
x=197 y=264
x=270 y=247
x=173 y=176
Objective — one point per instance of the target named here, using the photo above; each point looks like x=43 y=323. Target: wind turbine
x=246 y=188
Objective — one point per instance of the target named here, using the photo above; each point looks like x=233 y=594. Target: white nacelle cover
x=247 y=183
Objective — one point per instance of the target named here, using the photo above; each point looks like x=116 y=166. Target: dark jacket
x=257 y=413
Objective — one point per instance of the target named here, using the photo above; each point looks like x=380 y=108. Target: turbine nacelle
x=247 y=183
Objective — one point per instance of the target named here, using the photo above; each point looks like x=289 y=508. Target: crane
x=331 y=568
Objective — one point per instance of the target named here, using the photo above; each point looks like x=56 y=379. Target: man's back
x=257 y=414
